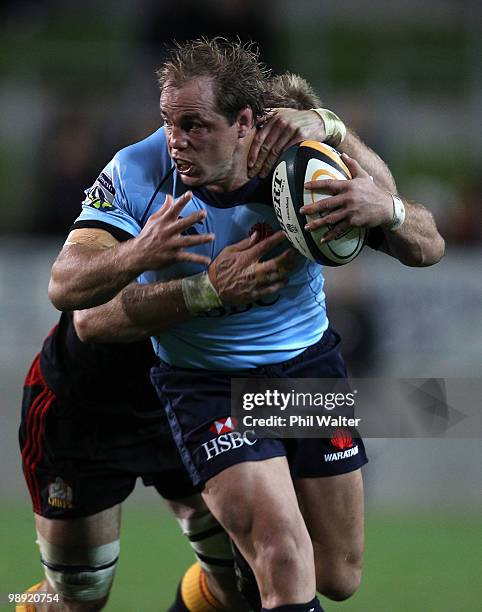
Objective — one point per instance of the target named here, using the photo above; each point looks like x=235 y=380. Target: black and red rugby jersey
x=106 y=377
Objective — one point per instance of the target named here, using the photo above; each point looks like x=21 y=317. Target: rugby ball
x=312 y=161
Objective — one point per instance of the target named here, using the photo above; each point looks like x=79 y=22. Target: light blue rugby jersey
x=274 y=329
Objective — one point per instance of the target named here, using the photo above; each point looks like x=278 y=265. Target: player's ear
x=245 y=121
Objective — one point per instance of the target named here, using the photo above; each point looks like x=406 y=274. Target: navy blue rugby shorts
x=198 y=406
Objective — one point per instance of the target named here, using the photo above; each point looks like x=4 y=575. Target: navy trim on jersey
x=256 y=190
x=118 y=233
x=153 y=197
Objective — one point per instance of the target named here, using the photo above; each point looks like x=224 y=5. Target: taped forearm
x=335 y=129
x=199 y=293
x=143 y=310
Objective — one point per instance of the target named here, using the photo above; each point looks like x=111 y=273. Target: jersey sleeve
x=105 y=204
x=120 y=197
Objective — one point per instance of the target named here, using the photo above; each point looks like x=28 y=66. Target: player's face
x=201 y=142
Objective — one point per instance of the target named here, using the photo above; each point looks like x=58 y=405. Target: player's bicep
x=91 y=237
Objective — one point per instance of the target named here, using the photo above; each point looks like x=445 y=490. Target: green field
x=414 y=563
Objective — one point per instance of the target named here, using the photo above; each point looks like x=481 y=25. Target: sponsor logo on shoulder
x=106 y=183
x=101 y=194
x=341 y=439
x=60 y=494
x=227 y=438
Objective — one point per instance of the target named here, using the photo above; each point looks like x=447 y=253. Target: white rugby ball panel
x=345 y=246
x=310 y=161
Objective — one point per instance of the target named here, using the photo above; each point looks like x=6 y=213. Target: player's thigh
x=256 y=503
x=83 y=532
x=255 y=499
x=333 y=509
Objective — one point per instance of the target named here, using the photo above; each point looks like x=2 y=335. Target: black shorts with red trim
x=79 y=460
x=198 y=405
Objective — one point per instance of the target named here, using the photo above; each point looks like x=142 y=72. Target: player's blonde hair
x=238 y=76
x=290 y=90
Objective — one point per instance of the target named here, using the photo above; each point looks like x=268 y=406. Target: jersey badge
x=101 y=194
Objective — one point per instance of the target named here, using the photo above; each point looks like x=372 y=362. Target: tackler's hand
x=278 y=130
x=239 y=276
x=358 y=202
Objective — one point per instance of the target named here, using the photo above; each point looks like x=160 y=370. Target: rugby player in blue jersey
x=80 y=464
x=297 y=521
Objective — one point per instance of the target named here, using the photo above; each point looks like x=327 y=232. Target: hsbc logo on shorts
x=227 y=442
x=225 y=425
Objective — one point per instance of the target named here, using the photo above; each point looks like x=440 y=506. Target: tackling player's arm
x=409 y=235
x=364 y=202
x=417 y=242
x=235 y=277
x=372 y=163
x=137 y=311
x=93 y=266
x=286 y=126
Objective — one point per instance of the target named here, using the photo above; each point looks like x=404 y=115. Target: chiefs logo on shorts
x=60 y=494
x=222 y=426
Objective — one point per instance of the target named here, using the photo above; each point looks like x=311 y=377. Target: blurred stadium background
x=77 y=83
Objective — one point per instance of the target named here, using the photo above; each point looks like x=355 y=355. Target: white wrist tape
x=398 y=214
x=199 y=293
x=334 y=127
